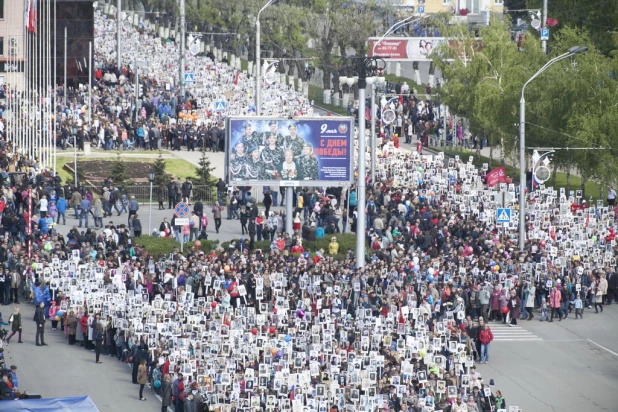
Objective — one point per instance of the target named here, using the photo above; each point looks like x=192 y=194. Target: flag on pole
x=32 y=17
x=27 y=15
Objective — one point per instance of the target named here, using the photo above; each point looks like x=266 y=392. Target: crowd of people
x=284 y=328
x=253 y=329
x=158 y=115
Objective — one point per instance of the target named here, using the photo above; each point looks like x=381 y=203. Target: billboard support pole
x=289 y=210
x=360 y=222
x=118 y=34
x=373 y=134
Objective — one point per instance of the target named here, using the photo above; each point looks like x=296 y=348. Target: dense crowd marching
x=287 y=329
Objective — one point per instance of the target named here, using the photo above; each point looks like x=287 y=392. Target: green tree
x=483 y=80
x=203 y=170
x=118 y=172
x=161 y=176
x=598 y=18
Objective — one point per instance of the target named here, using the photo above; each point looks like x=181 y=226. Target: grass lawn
x=590 y=188
x=317 y=95
x=176 y=167
x=133 y=152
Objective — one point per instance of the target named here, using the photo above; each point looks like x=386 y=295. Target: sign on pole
x=181 y=209
x=220 y=106
x=189 y=78
x=421 y=9
x=545 y=33
x=181 y=221
x=503 y=215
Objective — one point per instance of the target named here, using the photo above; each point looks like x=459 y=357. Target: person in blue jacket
x=43 y=227
x=61 y=207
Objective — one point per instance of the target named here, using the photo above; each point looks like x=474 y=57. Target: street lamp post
x=258 y=67
x=363 y=70
x=151 y=178
x=379 y=82
x=522 y=142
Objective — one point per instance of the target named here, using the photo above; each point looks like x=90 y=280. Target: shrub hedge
x=157 y=246
x=346 y=241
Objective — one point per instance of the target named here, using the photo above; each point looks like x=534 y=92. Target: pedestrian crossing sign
x=503 y=215
x=189 y=78
x=219 y=106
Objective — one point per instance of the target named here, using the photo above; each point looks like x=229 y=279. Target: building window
x=500 y=2
x=473 y=6
x=1 y=45
x=2 y=9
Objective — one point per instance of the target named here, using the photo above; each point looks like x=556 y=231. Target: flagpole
x=37 y=142
x=45 y=123
x=89 y=86
x=53 y=101
x=44 y=47
x=48 y=88
x=35 y=101
x=65 y=88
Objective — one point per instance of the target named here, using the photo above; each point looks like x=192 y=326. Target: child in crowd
x=579 y=307
x=543 y=310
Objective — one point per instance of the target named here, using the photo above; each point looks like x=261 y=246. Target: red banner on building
x=498 y=175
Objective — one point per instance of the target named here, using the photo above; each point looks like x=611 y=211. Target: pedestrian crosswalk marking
x=504 y=332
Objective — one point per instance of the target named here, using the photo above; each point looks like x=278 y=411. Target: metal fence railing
x=207 y=194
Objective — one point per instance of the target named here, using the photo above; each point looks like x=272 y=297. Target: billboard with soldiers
x=294 y=151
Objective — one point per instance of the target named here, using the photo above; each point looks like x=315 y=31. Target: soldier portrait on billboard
x=294 y=141
x=308 y=163
x=288 y=169
x=255 y=166
x=272 y=130
x=272 y=155
x=311 y=150
x=251 y=137
x=238 y=161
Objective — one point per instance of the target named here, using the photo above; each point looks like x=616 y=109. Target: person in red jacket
x=485 y=336
x=83 y=322
x=555 y=298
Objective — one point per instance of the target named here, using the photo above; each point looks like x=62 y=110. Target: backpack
x=319 y=232
x=371 y=209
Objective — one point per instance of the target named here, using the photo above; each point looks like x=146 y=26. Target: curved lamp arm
x=392 y=28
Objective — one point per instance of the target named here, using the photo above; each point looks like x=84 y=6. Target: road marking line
x=518 y=340
x=603 y=347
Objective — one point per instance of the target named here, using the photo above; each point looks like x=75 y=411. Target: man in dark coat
x=39 y=318
x=514 y=306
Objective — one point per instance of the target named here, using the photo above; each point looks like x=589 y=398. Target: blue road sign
x=189 y=78
x=181 y=210
x=545 y=33
x=503 y=215
x=421 y=9
x=220 y=106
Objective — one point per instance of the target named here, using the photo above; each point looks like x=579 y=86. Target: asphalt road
x=60 y=370
x=573 y=367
